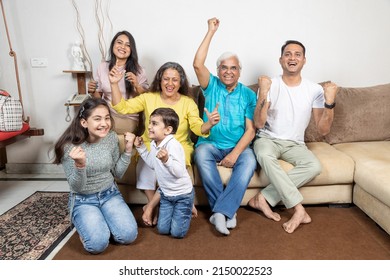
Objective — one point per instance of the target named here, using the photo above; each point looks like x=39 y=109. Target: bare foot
x=150 y=216
x=155 y=217
x=258 y=202
x=194 y=212
x=147 y=215
x=300 y=216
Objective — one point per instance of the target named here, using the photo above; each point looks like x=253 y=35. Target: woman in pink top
x=123 y=55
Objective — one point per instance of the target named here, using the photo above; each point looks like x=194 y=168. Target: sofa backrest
x=361 y=114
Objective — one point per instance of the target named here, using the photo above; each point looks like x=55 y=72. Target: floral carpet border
x=34 y=227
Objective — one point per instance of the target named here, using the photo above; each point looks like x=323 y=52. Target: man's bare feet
x=258 y=202
x=300 y=216
x=147 y=216
x=194 y=212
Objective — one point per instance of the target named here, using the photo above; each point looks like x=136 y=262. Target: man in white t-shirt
x=282 y=114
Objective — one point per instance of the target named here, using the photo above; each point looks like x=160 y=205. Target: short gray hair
x=227 y=55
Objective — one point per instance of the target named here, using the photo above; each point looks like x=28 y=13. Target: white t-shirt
x=290 y=109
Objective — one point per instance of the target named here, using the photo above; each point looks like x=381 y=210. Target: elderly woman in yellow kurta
x=169 y=89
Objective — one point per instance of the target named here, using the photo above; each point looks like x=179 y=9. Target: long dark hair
x=132 y=64
x=184 y=85
x=76 y=133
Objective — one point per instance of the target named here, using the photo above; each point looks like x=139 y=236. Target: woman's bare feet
x=258 y=202
x=300 y=216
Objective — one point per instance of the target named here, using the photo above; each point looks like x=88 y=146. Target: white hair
x=227 y=55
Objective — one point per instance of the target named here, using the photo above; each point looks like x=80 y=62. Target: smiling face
x=170 y=83
x=98 y=124
x=121 y=48
x=292 y=59
x=229 y=72
x=157 y=130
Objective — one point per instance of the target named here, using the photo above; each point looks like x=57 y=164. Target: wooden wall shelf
x=81 y=84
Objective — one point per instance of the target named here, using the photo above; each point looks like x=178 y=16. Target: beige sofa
x=355 y=157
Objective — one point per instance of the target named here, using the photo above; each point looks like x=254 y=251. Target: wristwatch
x=330 y=106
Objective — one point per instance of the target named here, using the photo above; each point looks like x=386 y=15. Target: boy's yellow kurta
x=186 y=108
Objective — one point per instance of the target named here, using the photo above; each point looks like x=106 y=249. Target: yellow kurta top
x=186 y=109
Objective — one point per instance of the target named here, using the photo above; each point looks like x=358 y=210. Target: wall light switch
x=39 y=62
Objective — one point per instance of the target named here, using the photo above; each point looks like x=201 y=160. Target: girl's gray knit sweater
x=104 y=164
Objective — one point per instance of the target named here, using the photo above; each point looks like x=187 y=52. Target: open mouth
x=169 y=89
x=102 y=129
x=228 y=77
x=121 y=51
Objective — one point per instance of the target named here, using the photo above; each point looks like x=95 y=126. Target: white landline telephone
x=77 y=99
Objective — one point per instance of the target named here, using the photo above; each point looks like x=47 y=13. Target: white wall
x=347 y=42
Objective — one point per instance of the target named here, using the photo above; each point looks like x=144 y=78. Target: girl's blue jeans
x=101 y=215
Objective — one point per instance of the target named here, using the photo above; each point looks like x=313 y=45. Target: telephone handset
x=77 y=99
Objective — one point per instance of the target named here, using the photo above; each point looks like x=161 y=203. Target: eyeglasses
x=225 y=68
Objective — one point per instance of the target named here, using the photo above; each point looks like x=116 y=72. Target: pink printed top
x=104 y=86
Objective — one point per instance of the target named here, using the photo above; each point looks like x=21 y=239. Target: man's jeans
x=224 y=200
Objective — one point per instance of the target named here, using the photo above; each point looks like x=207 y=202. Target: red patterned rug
x=34 y=227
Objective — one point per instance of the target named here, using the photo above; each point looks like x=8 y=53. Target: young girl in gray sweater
x=89 y=153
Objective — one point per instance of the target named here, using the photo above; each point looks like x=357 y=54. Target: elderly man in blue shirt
x=229 y=142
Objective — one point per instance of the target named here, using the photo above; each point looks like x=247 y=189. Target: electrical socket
x=39 y=62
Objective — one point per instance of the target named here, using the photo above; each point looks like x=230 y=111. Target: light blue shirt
x=234 y=108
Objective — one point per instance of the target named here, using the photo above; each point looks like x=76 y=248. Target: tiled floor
x=14 y=188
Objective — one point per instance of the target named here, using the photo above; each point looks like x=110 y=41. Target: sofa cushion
x=361 y=114
x=337 y=168
x=372 y=166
